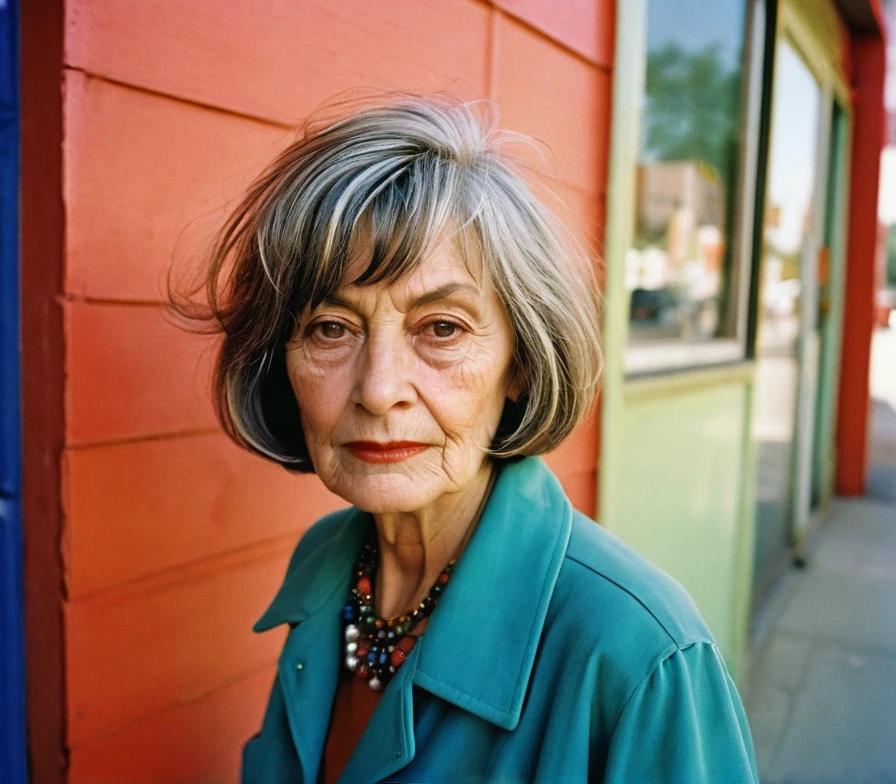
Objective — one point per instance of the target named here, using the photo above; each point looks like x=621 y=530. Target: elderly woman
x=405 y=320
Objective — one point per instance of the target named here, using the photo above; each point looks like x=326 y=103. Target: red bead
x=397 y=657
x=363 y=671
x=444 y=578
x=406 y=644
x=364 y=585
x=363 y=649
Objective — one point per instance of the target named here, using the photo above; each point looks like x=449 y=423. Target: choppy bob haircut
x=389 y=180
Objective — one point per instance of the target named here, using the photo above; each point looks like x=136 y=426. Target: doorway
x=786 y=360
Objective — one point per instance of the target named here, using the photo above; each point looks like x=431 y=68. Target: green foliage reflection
x=693 y=108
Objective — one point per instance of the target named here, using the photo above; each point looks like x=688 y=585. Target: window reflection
x=787 y=245
x=788 y=213
x=678 y=273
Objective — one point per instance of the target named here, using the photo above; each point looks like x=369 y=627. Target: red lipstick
x=385 y=452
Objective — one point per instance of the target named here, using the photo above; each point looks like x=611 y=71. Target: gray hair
x=391 y=180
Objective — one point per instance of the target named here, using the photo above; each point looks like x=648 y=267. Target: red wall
x=173 y=539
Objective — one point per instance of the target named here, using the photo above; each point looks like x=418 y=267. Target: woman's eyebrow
x=443 y=292
x=427 y=297
x=336 y=301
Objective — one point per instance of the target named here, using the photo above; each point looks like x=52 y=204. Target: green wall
x=682 y=495
x=676 y=476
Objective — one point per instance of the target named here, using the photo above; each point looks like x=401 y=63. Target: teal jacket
x=557 y=655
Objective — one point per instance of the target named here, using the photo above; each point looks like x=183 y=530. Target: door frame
x=824 y=453
x=816 y=34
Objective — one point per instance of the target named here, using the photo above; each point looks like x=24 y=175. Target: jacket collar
x=480 y=643
x=314 y=573
x=495 y=607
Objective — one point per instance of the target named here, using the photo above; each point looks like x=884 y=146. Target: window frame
x=675 y=354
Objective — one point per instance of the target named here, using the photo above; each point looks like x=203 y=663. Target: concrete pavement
x=821 y=690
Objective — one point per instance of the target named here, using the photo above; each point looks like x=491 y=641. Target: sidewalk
x=821 y=693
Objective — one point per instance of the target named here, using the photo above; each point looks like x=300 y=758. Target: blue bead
x=384 y=657
x=349 y=614
x=371 y=657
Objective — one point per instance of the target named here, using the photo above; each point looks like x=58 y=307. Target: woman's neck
x=414 y=547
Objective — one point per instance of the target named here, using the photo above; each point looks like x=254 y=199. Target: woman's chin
x=386 y=492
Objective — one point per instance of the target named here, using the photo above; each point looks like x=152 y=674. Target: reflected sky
x=794 y=146
x=695 y=24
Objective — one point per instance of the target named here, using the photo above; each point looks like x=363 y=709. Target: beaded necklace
x=376 y=647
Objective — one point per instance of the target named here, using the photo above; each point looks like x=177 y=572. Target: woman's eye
x=330 y=330
x=443 y=330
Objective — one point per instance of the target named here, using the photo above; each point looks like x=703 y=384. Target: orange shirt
x=353 y=706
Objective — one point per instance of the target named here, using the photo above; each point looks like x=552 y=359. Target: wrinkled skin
x=429 y=359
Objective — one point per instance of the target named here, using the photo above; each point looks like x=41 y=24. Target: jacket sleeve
x=683 y=723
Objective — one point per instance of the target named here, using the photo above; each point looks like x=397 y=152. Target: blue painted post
x=12 y=660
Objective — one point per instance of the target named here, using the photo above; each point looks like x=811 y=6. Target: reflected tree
x=693 y=106
x=692 y=116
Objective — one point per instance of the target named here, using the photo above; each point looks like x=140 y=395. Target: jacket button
x=300 y=666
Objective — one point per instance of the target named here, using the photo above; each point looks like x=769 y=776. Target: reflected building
x=674 y=272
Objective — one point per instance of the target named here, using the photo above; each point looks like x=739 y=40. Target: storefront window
x=681 y=271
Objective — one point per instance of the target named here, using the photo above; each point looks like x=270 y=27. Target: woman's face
x=401 y=385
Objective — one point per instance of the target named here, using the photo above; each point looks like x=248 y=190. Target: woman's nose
x=384 y=374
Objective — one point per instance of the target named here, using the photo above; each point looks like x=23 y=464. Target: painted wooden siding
x=175 y=539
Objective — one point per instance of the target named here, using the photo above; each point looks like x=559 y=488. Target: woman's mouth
x=385 y=452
